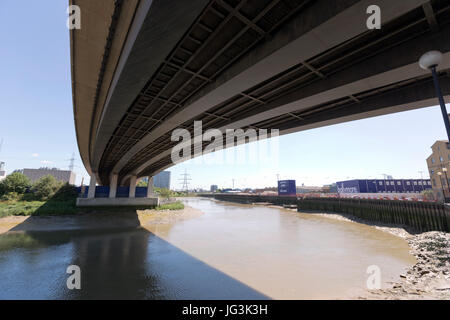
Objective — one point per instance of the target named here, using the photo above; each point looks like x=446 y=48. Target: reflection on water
x=124 y=264
x=230 y=252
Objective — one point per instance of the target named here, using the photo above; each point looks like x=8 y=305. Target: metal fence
x=422 y=216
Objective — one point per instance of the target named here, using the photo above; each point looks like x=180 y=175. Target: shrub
x=178 y=205
x=165 y=193
x=142 y=183
x=65 y=192
x=11 y=196
x=45 y=187
x=15 y=182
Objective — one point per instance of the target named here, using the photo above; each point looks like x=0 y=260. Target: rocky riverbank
x=429 y=278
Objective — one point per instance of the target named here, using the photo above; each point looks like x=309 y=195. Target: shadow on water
x=121 y=263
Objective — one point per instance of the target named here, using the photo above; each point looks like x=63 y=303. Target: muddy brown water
x=230 y=252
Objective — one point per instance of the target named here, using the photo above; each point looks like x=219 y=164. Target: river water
x=229 y=252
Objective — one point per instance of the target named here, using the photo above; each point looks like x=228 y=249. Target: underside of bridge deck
x=290 y=65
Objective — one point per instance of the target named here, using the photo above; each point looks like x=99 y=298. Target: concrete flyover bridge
x=141 y=69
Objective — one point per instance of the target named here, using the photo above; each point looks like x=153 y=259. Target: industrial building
x=438 y=164
x=214 y=188
x=398 y=186
x=60 y=175
x=162 y=180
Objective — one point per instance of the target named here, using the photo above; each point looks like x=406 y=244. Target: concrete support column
x=150 y=191
x=132 y=193
x=93 y=182
x=113 y=186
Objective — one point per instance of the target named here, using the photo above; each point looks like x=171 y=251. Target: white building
x=2 y=171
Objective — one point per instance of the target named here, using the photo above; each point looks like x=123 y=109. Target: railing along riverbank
x=421 y=216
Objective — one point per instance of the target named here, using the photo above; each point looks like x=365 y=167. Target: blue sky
x=36 y=119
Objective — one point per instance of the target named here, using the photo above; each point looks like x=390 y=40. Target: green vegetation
x=47 y=196
x=166 y=193
x=18 y=196
x=142 y=183
x=35 y=208
x=171 y=206
x=45 y=188
x=14 y=183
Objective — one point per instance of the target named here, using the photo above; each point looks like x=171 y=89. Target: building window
x=434 y=182
x=442 y=159
x=432 y=160
x=381 y=183
x=420 y=183
x=432 y=172
x=399 y=183
x=408 y=183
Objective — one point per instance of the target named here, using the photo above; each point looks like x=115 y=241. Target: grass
x=178 y=205
x=65 y=204
x=35 y=208
x=53 y=207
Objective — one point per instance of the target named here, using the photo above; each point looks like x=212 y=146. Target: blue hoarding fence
x=384 y=186
x=122 y=192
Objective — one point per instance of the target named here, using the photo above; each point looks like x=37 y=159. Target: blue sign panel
x=287 y=188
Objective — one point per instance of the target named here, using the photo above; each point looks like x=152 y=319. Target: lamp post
x=430 y=61
x=446 y=178
x=442 y=186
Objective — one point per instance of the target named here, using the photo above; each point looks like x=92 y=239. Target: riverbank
x=98 y=219
x=429 y=278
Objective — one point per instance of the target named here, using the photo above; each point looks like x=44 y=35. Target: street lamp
x=446 y=178
x=442 y=185
x=430 y=61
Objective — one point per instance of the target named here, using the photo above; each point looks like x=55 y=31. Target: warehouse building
x=60 y=175
x=398 y=186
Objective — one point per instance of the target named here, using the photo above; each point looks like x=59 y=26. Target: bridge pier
x=113 y=186
x=92 y=184
x=133 y=181
x=150 y=191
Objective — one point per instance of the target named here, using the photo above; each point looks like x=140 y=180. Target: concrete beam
x=92 y=184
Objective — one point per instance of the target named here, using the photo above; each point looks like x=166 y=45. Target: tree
x=46 y=187
x=142 y=183
x=15 y=182
x=165 y=193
